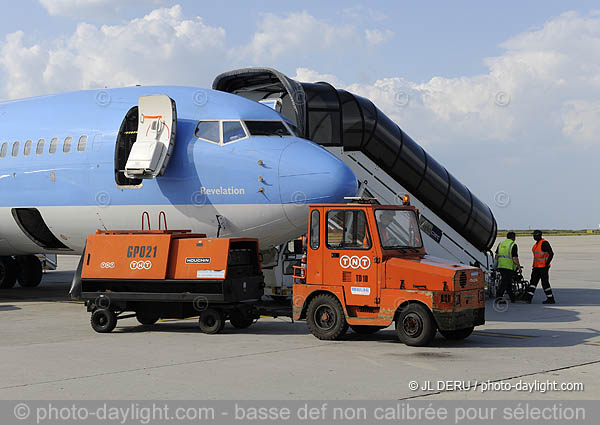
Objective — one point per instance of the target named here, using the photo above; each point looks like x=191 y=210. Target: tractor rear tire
x=103 y=320
x=365 y=329
x=457 y=334
x=415 y=326
x=8 y=272
x=211 y=321
x=325 y=317
x=30 y=271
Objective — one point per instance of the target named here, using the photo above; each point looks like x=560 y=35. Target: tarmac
x=49 y=351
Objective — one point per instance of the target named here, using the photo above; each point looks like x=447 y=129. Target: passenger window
x=3 y=149
x=208 y=130
x=314 y=229
x=232 y=131
x=15 y=148
x=40 y=147
x=53 y=145
x=347 y=229
x=82 y=143
x=67 y=144
x=27 y=148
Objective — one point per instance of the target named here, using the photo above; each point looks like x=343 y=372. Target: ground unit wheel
x=146 y=318
x=457 y=334
x=240 y=320
x=211 y=321
x=325 y=318
x=103 y=320
x=30 y=271
x=365 y=329
x=415 y=326
x=8 y=272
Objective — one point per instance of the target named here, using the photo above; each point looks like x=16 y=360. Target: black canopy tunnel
x=335 y=117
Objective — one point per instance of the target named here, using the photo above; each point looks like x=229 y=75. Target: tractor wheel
x=457 y=334
x=325 y=317
x=103 y=320
x=8 y=272
x=30 y=271
x=146 y=318
x=240 y=320
x=211 y=321
x=365 y=329
x=415 y=326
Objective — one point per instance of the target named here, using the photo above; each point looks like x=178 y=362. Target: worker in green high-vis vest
x=507 y=257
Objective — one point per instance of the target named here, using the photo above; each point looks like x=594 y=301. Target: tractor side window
x=314 y=229
x=347 y=229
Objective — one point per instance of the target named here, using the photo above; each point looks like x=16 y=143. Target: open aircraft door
x=156 y=131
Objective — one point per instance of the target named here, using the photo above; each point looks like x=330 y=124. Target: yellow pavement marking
x=503 y=335
x=174 y=320
x=593 y=343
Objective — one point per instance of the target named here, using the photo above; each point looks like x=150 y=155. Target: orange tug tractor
x=364 y=267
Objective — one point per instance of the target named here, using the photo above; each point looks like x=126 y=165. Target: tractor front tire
x=415 y=325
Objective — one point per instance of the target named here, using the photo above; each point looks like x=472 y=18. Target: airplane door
x=349 y=256
x=157 y=127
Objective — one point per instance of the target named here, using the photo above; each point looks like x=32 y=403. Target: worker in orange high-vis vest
x=542 y=257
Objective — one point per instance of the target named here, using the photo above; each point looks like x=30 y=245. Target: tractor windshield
x=398 y=229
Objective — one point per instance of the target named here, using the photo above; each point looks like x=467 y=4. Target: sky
x=506 y=95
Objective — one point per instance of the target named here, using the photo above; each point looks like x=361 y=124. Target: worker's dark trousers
x=506 y=278
x=536 y=274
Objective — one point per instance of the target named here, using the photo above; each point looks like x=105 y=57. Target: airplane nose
x=309 y=174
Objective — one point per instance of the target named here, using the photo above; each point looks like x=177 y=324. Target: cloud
x=309 y=76
x=92 y=8
x=161 y=47
x=296 y=36
x=581 y=121
x=375 y=36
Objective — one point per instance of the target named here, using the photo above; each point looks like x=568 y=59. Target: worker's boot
x=549 y=301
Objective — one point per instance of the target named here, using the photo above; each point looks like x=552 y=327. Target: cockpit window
x=267 y=128
x=208 y=130
x=232 y=131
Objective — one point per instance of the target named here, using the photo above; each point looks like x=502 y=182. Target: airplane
x=193 y=158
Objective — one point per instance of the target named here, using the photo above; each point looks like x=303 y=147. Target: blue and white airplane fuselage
x=259 y=185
